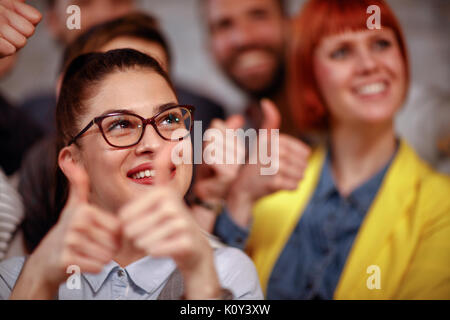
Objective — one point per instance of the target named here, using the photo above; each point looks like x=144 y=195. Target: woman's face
x=111 y=169
x=361 y=76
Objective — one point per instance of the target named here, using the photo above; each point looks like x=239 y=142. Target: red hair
x=318 y=19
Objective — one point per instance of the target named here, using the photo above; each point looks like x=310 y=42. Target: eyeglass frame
x=149 y=121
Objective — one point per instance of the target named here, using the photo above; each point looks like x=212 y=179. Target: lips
x=145 y=174
x=252 y=59
x=371 y=89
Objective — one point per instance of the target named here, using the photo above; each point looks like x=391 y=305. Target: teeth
x=372 y=88
x=144 y=174
x=252 y=58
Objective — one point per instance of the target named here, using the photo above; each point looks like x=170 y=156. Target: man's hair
x=281 y=3
x=51 y=3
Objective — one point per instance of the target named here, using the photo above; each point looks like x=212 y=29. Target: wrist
x=239 y=205
x=202 y=282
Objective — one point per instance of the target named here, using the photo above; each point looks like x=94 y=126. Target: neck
x=128 y=254
x=359 y=152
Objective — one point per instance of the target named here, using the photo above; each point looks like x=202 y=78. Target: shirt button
x=121 y=273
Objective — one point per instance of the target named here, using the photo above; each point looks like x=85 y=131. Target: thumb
x=235 y=121
x=271 y=115
x=79 y=183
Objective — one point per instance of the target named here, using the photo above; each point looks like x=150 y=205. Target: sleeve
x=11 y=214
x=237 y=273
x=229 y=232
x=9 y=273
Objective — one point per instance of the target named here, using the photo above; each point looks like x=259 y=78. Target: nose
x=151 y=142
x=243 y=34
x=366 y=62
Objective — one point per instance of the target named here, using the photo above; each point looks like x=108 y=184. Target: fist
x=17 y=23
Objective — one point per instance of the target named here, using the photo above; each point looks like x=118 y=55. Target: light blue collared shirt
x=144 y=279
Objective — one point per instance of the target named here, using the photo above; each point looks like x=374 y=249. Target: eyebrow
x=158 y=109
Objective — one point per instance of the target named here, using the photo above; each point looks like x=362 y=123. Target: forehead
x=356 y=36
x=140 y=91
x=221 y=9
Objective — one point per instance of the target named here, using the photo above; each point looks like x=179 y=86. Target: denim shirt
x=312 y=261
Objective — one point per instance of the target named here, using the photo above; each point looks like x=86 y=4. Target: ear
x=69 y=162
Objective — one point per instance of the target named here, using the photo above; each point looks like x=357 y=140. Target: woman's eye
x=340 y=53
x=381 y=44
x=120 y=124
x=171 y=119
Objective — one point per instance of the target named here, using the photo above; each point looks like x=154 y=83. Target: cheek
x=184 y=169
x=397 y=67
x=220 y=46
x=329 y=79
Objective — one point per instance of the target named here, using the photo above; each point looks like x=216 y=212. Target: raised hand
x=84 y=235
x=212 y=181
x=18 y=22
x=251 y=185
x=160 y=224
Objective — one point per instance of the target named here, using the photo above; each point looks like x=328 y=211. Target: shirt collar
x=147 y=273
x=326 y=186
x=97 y=280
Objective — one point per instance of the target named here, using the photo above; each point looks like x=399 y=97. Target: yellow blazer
x=405 y=234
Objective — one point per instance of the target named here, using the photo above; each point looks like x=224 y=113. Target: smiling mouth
x=372 y=89
x=147 y=176
x=252 y=60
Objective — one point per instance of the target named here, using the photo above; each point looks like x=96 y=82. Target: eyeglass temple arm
x=81 y=132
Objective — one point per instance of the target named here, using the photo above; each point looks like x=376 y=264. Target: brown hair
x=320 y=18
x=137 y=25
x=82 y=77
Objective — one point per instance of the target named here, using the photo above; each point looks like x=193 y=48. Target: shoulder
x=433 y=188
x=237 y=273
x=9 y=272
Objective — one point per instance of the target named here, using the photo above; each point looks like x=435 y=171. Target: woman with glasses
x=125 y=226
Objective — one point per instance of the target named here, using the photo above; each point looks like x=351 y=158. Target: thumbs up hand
x=84 y=235
x=213 y=180
x=251 y=185
x=160 y=224
x=18 y=21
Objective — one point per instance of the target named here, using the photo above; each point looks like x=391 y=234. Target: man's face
x=92 y=12
x=247 y=39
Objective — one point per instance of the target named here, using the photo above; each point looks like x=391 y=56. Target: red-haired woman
x=369 y=220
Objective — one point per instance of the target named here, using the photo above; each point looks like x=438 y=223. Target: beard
x=259 y=87
x=274 y=81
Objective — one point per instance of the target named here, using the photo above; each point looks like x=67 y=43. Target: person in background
x=17 y=130
x=248 y=40
x=370 y=219
x=40 y=106
x=11 y=214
